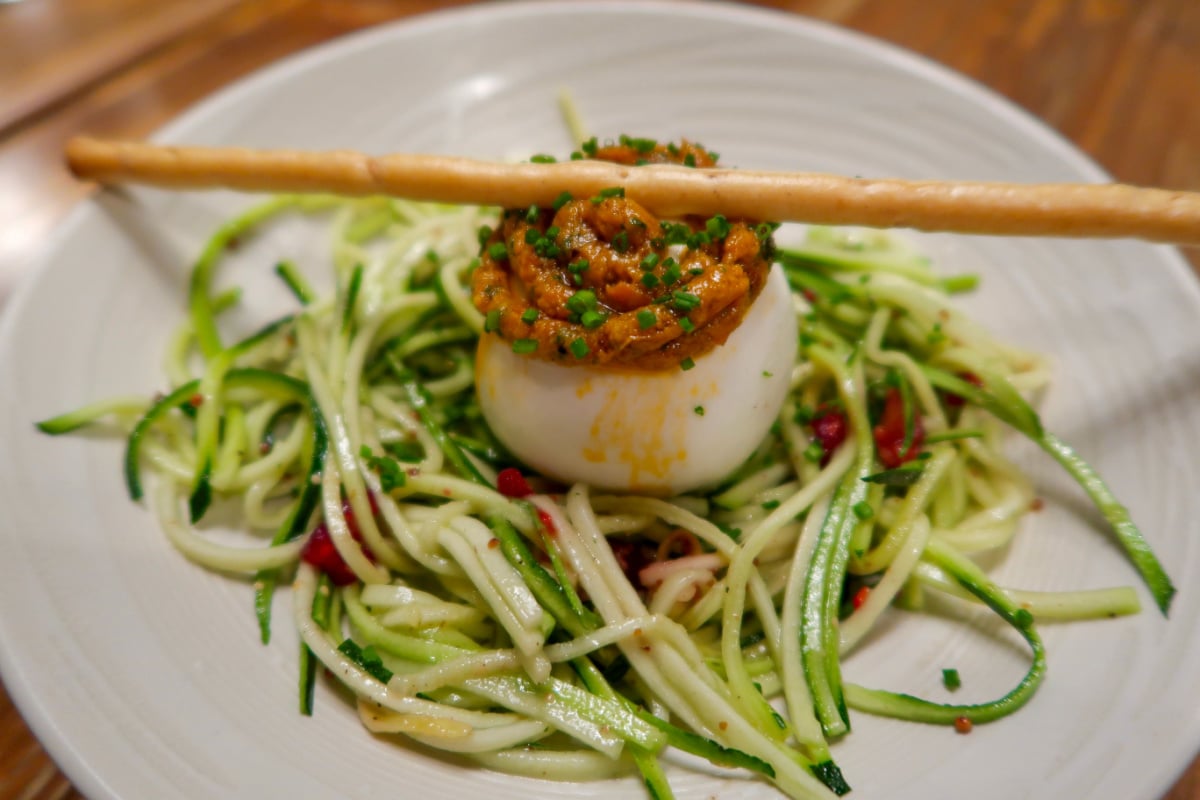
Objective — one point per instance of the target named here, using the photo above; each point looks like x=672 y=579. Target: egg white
x=659 y=433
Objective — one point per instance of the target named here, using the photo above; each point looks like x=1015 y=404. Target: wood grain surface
x=1120 y=78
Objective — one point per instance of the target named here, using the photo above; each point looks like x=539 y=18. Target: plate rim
x=31 y=705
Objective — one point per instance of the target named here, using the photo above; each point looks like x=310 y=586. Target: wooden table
x=1120 y=78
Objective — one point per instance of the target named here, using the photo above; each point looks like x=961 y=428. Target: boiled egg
x=661 y=433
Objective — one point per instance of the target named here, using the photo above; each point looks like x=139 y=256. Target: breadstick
x=1069 y=210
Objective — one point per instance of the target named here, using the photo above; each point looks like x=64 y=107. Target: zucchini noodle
x=565 y=635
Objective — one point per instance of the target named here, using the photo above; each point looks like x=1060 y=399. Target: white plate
x=142 y=673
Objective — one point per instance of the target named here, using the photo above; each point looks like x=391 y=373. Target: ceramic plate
x=142 y=673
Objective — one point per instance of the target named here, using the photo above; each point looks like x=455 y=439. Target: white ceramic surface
x=142 y=673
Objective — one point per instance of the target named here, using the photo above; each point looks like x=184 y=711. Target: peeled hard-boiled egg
x=646 y=432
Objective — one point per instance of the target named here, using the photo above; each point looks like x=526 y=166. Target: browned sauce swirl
x=602 y=281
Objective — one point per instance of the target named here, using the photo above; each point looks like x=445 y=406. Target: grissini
x=1068 y=210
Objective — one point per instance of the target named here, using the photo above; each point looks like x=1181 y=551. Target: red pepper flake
x=889 y=433
x=511 y=483
x=809 y=295
x=723 y=725
x=963 y=725
x=860 y=597
x=493 y=544
x=829 y=428
x=264 y=448
x=196 y=400
x=1037 y=504
x=956 y=401
x=547 y=523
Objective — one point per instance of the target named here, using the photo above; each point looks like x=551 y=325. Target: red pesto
x=860 y=597
x=320 y=552
x=889 y=433
x=963 y=725
x=511 y=483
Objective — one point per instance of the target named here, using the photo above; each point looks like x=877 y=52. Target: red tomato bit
x=889 y=433
x=511 y=483
x=956 y=401
x=829 y=428
x=860 y=597
x=963 y=725
x=320 y=552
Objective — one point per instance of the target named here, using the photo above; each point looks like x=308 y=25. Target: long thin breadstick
x=1075 y=210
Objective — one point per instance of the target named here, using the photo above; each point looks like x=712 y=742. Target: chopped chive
x=620 y=242
x=650 y=261
x=524 y=346
x=532 y=236
x=581 y=301
x=604 y=194
x=498 y=251
x=532 y=214
x=589 y=147
x=687 y=364
x=686 y=324
x=529 y=316
x=814 y=452
x=491 y=322
x=579 y=348
x=717 y=227
x=689 y=160
x=649 y=280
x=862 y=509
x=542 y=158
x=483 y=234
x=699 y=411
x=577 y=266
x=391 y=475
x=646 y=319
x=684 y=301
x=771 y=505
x=641 y=145
x=671 y=274
x=676 y=232
x=562 y=200
x=901 y=476
x=768 y=374
x=592 y=319
x=950 y=679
